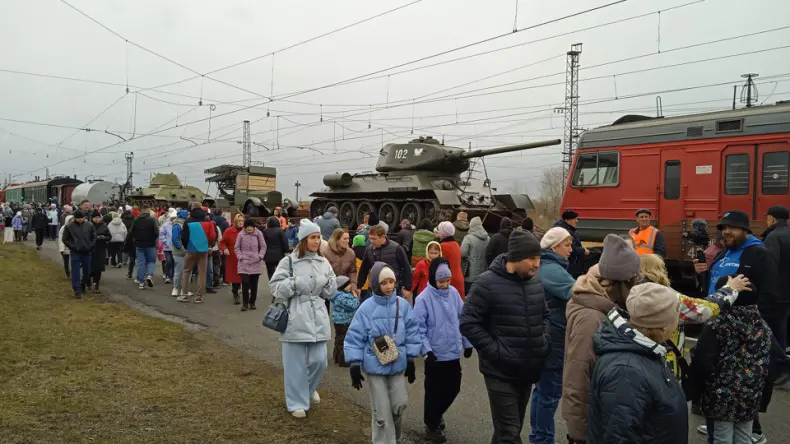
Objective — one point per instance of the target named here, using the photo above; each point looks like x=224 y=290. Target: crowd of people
x=604 y=341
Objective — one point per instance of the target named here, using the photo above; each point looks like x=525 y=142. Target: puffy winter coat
x=61 y=246
x=276 y=242
x=144 y=231
x=473 y=252
x=452 y=252
x=302 y=284
x=438 y=314
x=634 y=398
x=328 y=224
x=558 y=285
x=40 y=220
x=420 y=241
x=391 y=254
x=166 y=235
x=461 y=229
x=228 y=242
x=498 y=243
x=376 y=317
x=506 y=318
x=250 y=250
x=79 y=238
x=344 y=305
x=117 y=230
x=99 y=253
x=343 y=264
x=585 y=313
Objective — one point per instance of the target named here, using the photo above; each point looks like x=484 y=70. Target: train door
x=737 y=177
x=671 y=196
x=773 y=160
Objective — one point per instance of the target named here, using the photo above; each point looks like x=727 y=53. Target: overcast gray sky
x=50 y=38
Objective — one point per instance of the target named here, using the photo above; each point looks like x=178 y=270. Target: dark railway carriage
x=681 y=168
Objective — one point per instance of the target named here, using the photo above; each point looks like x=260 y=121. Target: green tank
x=421 y=179
x=167 y=190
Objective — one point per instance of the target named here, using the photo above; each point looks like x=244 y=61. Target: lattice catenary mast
x=247 y=145
x=571 y=109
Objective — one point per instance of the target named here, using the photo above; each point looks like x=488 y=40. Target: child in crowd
x=383 y=340
x=419 y=279
x=160 y=256
x=730 y=364
x=18 y=225
x=344 y=305
x=291 y=234
x=438 y=313
x=358 y=245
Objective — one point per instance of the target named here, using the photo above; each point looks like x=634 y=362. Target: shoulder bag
x=276 y=316
x=384 y=347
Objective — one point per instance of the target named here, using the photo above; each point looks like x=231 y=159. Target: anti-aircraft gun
x=421 y=179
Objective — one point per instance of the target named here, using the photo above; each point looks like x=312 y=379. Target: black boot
x=236 y=299
x=245 y=307
x=436 y=435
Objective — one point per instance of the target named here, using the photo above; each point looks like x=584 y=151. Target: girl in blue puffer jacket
x=385 y=315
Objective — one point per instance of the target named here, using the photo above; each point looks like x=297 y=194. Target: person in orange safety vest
x=647 y=238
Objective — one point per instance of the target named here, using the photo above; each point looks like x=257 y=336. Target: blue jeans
x=545 y=399
x=170 y=264
x=146 y=261
x=178 y=270
x=80 y=261
x=209 y=273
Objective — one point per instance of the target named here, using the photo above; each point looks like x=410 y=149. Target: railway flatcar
x=681 y=169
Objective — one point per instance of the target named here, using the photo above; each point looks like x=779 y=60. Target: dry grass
x=92 y=371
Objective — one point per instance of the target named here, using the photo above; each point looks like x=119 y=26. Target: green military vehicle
x=165 y=190
x=251 y=190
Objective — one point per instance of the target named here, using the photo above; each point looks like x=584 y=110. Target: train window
x=736 y=174
x=672 y=180
x=597 y=169
x=775 y=172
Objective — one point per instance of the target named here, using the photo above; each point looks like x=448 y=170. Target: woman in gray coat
x=302 y=281
x=473 y=252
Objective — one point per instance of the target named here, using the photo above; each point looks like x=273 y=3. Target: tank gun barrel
x=503 y=149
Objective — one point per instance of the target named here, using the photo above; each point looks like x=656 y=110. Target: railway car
x=680 y=168
x=15 y=193
x=42 y=191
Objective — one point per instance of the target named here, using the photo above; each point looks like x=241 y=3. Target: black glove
x=430 y=357
x=356 y=376
x=410 y=372
x=468 y=352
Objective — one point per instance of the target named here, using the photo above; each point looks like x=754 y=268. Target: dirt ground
x=93 y=371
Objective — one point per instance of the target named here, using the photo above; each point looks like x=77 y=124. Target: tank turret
x=417 y=179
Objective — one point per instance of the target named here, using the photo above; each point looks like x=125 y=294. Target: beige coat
x=343 y=264
x=585 y=313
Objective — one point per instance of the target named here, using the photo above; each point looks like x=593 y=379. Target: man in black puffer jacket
x=506 y=319
x=498 y=243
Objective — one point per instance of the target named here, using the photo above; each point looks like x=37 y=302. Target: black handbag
x=276 y=316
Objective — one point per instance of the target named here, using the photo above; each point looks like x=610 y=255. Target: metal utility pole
x=246 y=145
x=571 y=108
x=749 y=90
x=297 y=185
x=129 y=174
x=47 y=173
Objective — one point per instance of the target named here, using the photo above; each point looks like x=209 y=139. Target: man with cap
x=506 y=319
x=647 y=238
x=328 y=223
x=79 y=237
x=569 y=221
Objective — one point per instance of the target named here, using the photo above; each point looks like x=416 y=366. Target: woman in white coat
x=302 y=281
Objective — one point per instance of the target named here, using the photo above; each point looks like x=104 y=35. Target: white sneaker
x=703 y=429
x=315 y=397
x=299 y=413
x=174 y=293
x=149 y=280
x=758 y=439
x=136 y=281
x=182 y=298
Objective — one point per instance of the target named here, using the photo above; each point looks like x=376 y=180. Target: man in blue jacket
x=198 y=235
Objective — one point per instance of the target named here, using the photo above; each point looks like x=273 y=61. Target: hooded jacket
x=228 y=242
x=221 y=223
x=438 y=314
x=198 y=235
x=420 y=241
x=730 y=364
x=178 y=227
x=777 y=240
x=52 y=215
x=166 y=235
x=344 y=305
x=276 y=243
x=117 y=230
x=585 y=313
x=498 y=243
x=79 y=238
x=99 y=253
x=558 y=284
x=420 y=277
x=302 y=284
x=461 y=229
x=452 y=252
x=506 y=318
x=127 y=218
x=634 y=398
x=576 y=259
x=61 y=246
x=250 y=249
x=40 y=220
x=328 y=224
x=144 y=231
x=473 y=252
x=376 y=317
x=755 y=262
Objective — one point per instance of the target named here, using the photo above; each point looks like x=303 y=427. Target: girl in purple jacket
x=250 y=249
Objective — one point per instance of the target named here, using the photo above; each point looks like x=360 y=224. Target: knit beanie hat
x=522 y=245
x=554 y=237
x=475 y=222
x=619 y=262
x=652 y=306
x=343 y=282
x=386 y=273
x=359 y=241
x=306 y=228
x=446 y=229
x=443 y=272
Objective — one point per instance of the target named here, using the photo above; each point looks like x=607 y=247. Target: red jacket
x=228 y=242
x=452 y=252
x=419 y=280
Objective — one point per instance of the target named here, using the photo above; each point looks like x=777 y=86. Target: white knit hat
x=386 y=273
x=306 y=228
x=554 y=237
